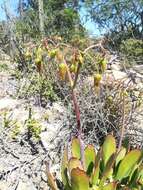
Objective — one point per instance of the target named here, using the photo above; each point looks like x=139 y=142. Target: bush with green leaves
x=109 y=168
x=133 y=50
x=132 y=47
x=34 y=128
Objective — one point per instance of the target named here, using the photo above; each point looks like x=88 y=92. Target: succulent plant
x=107 y=169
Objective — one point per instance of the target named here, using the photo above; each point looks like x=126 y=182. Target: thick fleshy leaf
x=89 y=158
x=110 y=186
x=94 y=187
x=95 y=175
x=140 y=175
x=108 y=169
x=79 y=180
x=128 y=163
x=50 y=177
x=76 y=151
x=108 y=148
x=64 y=167
x=120 y=155
x=74 y=163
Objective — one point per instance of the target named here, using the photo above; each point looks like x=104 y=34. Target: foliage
x=33 y=126
x=117 y=16
x=16 y=130
x=109 y=168
x=3 y=67
x=39 y=88
x=60 y=18
x=7 y=121
x=132 y=48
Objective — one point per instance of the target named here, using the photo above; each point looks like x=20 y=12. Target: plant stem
x=76 y=77
x=123 y=123
x=74 y=98
x=77 y=111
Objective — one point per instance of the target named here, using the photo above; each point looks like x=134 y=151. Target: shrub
x=132 y=49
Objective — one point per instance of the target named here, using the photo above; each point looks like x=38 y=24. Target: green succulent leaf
x=64 y=166
x=95 y=175
x=76 y=150
x=79 y=180
x=120 y=155
x=96 y=170
x=140 y=175
x=128 y=163
x=108 y=148
x=94 y=187
x=108 y=169
x=110 y=186
x=89 y=158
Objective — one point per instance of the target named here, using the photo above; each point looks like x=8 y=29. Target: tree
x=10 y=26
x=120 y=16
x=41 y=17
x=58 y=18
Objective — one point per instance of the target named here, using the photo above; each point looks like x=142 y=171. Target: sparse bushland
x=61 y=63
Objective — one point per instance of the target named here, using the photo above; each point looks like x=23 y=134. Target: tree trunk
x=10 y=27
x=21 y=8
x=41 y=17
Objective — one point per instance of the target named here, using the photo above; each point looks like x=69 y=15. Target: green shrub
x=109 y=168
x=132 y=49
x=3 y=67
x=34 y=128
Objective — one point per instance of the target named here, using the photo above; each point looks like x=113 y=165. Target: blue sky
x=12 y=6
x=92 y=29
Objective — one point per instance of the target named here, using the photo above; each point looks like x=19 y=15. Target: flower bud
x=62 y=71
x=73 y=68
x=80 y=59
x=97 y=79
x=52 y=53
x=103 y=65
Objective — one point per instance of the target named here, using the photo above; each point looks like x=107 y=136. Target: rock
x=138 y=68
x=50 y=134
x=115 y=67
x=118 y=75
x=57 y=106
x=8 y=103
x=4 y=185
x=28 y=185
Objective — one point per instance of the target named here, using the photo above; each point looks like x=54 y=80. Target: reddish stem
x=77 y=111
